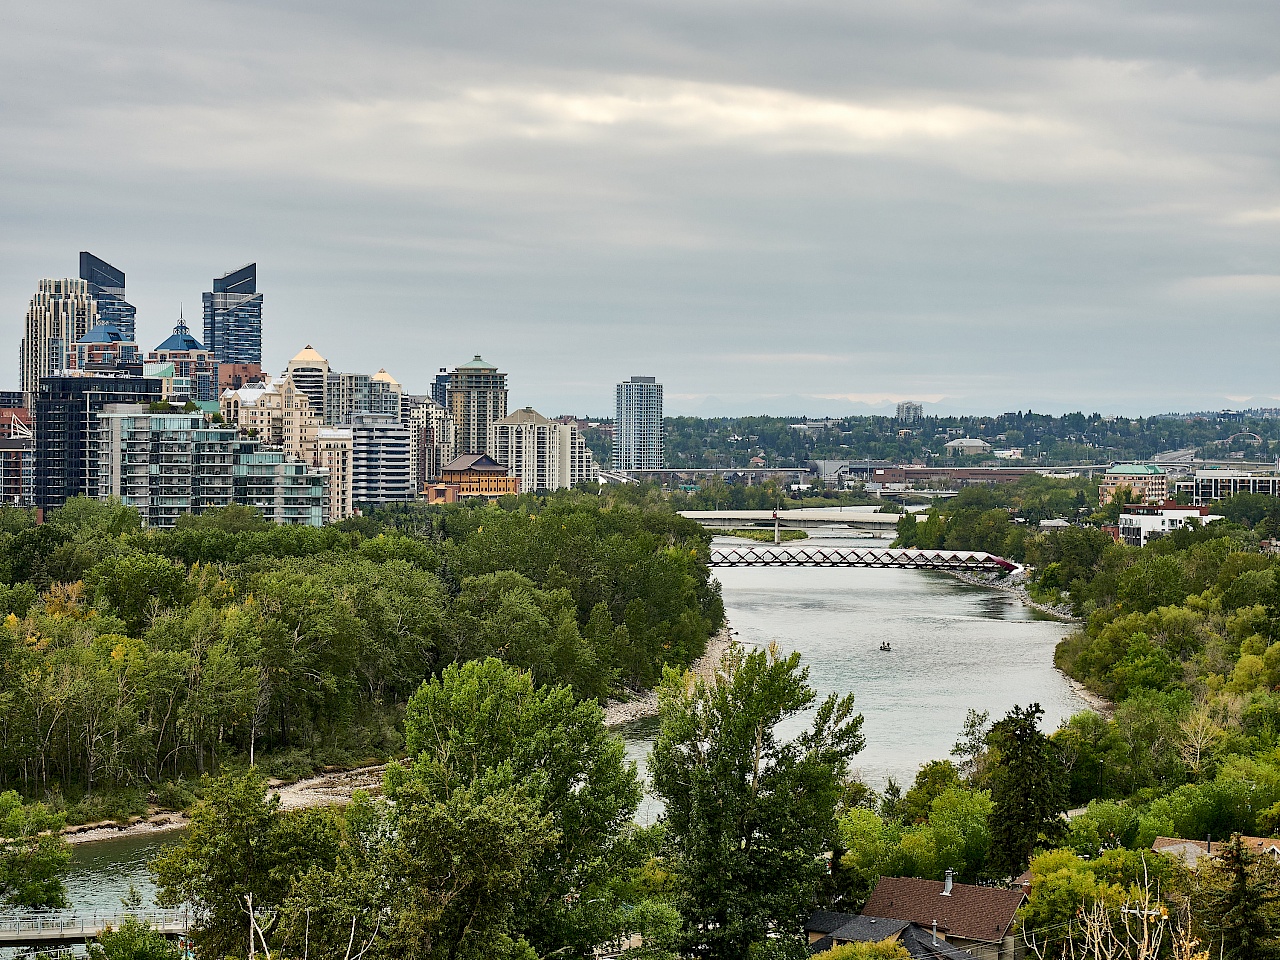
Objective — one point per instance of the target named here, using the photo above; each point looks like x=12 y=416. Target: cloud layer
x=772 y=207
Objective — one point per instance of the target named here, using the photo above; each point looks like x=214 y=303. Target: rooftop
x=308 y=356
x=524 y=415
x=477 y=364
x=181 y=339
x=968 y=912
x=103 y=333
x=479 y=462
x=383 y=377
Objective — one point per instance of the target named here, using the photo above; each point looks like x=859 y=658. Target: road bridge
x=36 y=927
x=882 y=558
x=854 y=518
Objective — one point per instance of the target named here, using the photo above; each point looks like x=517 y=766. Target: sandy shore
x=327 y=788
x=646 y=704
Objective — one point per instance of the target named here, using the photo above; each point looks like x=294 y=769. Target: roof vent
x=946 y=884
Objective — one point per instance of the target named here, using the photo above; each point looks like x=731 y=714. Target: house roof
x=922 y=945
x=866 y=929
x=480 y=462
x=1192 y=850
x=968 y=442
x=969 y=912
x=826 y=921
x=181 y=339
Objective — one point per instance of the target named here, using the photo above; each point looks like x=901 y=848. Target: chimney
x=946 y=884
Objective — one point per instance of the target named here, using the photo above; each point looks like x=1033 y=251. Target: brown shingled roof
x=972 y=913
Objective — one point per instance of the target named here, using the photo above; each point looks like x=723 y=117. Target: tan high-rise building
x=477 y=398
x=277 y=413
x=544 y=454
x=61 y=312
x=310 y=374
x=334 y=452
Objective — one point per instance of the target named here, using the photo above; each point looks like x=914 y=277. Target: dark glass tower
x=233 y=317
x=106 y=286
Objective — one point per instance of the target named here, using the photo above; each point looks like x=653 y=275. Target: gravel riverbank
x=645 y=704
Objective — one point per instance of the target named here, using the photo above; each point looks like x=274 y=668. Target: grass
x=763 y=535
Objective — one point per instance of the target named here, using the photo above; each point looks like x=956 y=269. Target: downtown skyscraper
x=106 y=286
x=233 y=317
x=637 y=425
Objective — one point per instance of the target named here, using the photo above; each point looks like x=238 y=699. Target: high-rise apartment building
x=105 y=347
x=68 y=433
x=637 y=425
x=477 y=398
x=379 y=460
x=60 y=314
x=165 y=464
x=909 y=411
x=276 y=412
x=334 y=453
x=233 y=317
x=440 y=388
x=106 y=286
x=195 y=372
x=283 y=490
x=310 y=374
x=543 y=454
x=431 y=443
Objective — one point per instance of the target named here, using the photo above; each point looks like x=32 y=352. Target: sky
x=792 y=207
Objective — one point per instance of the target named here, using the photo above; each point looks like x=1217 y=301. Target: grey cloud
x=992 y=202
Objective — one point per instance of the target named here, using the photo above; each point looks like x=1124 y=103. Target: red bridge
x=883 y=558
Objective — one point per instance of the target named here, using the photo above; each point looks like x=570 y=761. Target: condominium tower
x=909 y=411
x=477 y=398
x=106 y=286
x=637 y=425
x=544 y=454
x=233 y=317
x=61 y=312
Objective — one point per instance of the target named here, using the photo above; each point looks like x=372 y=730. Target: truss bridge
x=881 y=558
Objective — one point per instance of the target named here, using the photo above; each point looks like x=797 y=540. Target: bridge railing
x=74 y=924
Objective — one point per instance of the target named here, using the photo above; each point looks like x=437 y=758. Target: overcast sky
x=791 y=207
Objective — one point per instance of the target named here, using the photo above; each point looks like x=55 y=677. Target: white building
x=61 y=312
x=909 y=411
x=431 y=439
x=544 y=454
x=637 y=425
x=379 y=460
x=1142 y=522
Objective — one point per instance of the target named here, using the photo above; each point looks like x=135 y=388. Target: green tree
x=1028 y=789
x=1238 y=904
x=748 y=811
x=33 y=856
x=484 y=726
x=134 y=940
x=240 y=845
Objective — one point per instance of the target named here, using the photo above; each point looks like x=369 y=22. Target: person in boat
x=885 y=646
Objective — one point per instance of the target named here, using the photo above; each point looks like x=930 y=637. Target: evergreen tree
x=1028 y=789
x=749 y=811
x=1239 y=904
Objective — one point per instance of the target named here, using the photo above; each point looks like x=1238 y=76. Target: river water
x=955 y=647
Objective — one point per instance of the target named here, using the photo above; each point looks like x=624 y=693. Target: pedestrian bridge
x=883 y=558
x=32 y=928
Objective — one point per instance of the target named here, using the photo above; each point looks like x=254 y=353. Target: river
x=955 y=647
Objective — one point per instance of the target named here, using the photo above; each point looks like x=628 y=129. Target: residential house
x=976 y=919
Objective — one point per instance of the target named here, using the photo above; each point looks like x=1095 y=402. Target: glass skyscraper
x=106 y=286
x=233 y=317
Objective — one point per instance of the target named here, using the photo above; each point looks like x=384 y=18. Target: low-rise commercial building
x=967 y=447
x=478 y=475
x=1209 y=486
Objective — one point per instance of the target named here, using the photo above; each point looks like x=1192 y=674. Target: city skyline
x=794 y=209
